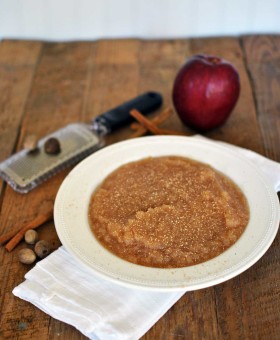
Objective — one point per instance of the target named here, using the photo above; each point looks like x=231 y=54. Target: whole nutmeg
x=26 y=256
x=52 y=146
x=31 y=236
x=42 y=248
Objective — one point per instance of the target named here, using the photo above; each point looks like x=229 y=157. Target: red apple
x=205 y=92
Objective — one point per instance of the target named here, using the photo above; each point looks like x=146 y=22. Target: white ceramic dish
x=71 y=214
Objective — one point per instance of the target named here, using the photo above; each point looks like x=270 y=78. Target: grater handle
x=119 y=116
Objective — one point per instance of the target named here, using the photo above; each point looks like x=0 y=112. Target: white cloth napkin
x=100 y=309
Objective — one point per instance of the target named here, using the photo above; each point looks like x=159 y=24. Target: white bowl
x=72 y=202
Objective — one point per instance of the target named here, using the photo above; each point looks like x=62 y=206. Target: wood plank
x=260 y=297
x=245 y=305
x=262 y=55
x=192 y=317
x=159 y=63
x=115 y=77
x=18 y=60
x=56 y=98
x=117 y=52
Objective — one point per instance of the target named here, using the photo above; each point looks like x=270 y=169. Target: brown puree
x=167 y=212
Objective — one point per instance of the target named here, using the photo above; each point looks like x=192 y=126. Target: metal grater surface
x=25 y=170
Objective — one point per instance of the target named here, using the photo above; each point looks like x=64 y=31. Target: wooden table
x=44 y=86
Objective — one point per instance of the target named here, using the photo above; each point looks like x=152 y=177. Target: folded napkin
x=98 y=308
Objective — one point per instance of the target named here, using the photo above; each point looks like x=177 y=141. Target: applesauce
x=167 y=212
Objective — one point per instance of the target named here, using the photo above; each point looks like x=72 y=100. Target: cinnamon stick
x=159 y=119
x=150 y=126
x=18 y=235
x=7 y=236
x=140 y=130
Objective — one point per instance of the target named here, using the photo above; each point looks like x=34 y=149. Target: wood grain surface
x=44 y=86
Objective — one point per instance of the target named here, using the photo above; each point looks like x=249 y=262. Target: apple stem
x=215 y=60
